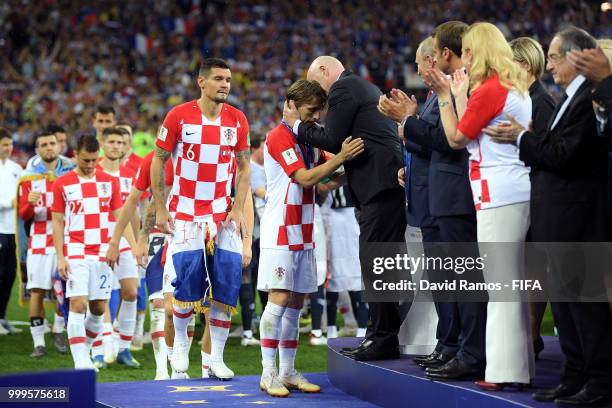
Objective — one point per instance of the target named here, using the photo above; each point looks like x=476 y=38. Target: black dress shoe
x=439 y=361
x=352 y=350
x=560 y=391
x=453 y=370
x=420 y=359
x=583 y=398
x=376 y=352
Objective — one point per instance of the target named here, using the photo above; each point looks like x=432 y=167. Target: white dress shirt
x=570 y=91
x=10 y=172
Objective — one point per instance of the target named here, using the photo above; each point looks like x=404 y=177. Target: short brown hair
x=114 y=131
x=448 y=35
x=303 y=92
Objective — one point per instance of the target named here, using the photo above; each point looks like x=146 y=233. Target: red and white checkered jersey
x=125 y=177
x=497 y=175
x=133 y=162
x=87 y=205
x=288 y=219
x=143 y=176
x=202 y=152
x=41 y=230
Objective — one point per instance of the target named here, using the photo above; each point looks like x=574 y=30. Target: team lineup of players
x=197 y=222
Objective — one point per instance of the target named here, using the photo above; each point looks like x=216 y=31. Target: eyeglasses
x=555 y=58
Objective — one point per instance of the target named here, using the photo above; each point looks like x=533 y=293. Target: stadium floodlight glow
x=606 y=6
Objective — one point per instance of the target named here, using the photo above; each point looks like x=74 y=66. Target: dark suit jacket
x=542 y=107
x=353 y=112
x=417 y=208
x=569 y=175
x=449 y=185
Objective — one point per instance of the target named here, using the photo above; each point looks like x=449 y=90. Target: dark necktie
x=557 y=109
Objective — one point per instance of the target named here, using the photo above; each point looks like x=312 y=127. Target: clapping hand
x=592 y=63
x=397 y=107
x=439 y=82
x=460 y=84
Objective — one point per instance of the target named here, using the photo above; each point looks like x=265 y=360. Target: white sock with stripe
x=287 y=346
x=269 y=332
x=93 y=328
x=205 y=364
x=220 y=322
x=181 y=317
x=58 y=324
x=157 y=338
x=127 y=323
x=76 y=338
x=139 y=327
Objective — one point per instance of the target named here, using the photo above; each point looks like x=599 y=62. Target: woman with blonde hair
x=530 y=56
x=500 y=187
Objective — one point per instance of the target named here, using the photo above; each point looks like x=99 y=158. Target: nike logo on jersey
x=189 y=134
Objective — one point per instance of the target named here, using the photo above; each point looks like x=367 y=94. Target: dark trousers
x=461 y=325
x=585 y=329
x=585 y=334
x=383 y=220
x=8 y=270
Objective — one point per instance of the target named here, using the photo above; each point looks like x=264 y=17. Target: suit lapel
x=428 y=104
x=583 y=88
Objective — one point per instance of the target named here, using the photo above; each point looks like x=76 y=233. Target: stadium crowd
x=60 y=59
x=489 y=135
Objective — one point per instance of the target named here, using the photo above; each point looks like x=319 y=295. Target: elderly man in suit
x=461 y=325
x=569 y=204
x=372 y=178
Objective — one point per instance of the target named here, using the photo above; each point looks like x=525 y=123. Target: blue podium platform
x=401 y=383
x=240 y=392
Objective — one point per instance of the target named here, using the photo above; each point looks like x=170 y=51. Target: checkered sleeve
x=168 y=134
x=59 y=204
x=244 y=141
x=282 y=149
x=26 y=209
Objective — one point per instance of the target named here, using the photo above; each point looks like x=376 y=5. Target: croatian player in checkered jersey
x=125 y=277
x=148 y=251
x=204 y=137
x=286 y=263
x=83 y=201
x=35 y=198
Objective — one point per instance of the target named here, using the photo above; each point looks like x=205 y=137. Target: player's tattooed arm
x=163 y=219
x=163 y=155
x=149 y=221
x=243 y=177
x=158 y=165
